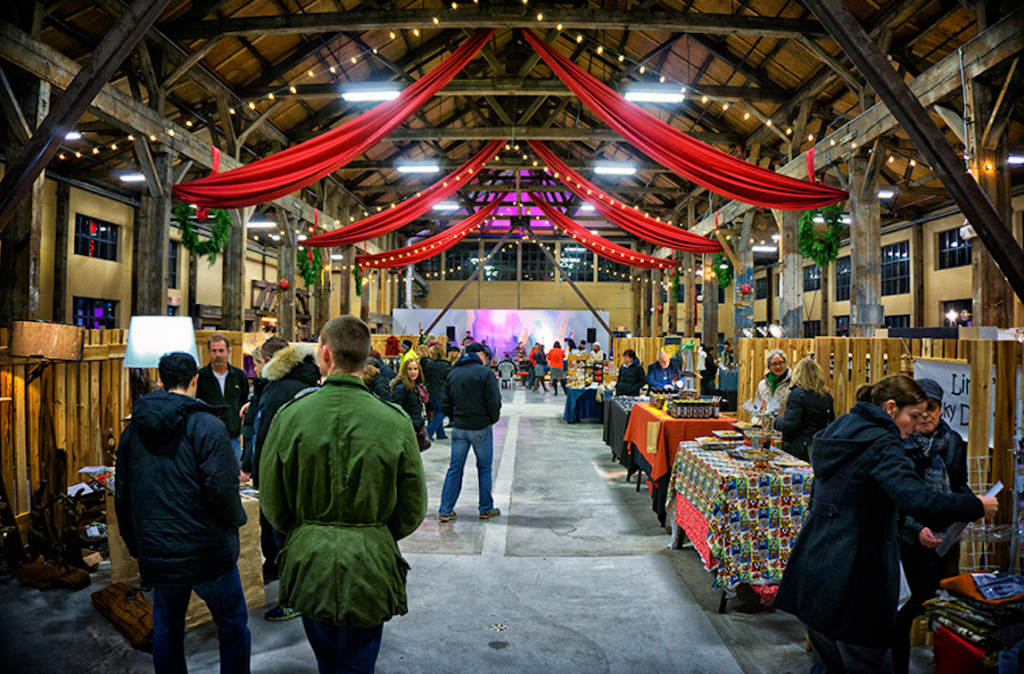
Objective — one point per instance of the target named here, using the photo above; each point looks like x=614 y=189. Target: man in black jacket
x=225 y=386
x=473 y=402
x=290 y=370
x=179 y=512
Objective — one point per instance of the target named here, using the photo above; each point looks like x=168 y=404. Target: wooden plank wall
x=646 y=348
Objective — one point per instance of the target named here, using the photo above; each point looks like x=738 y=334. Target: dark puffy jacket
x=472 y=399
x=806 y=414
x=435 y=372
x=177 y=491
x=249 y=421
x=631 y=379
x=381 y=387
x=842 y=579
x=409 y=401
x=292 y=369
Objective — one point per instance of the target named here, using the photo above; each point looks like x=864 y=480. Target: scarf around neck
x=774 y=380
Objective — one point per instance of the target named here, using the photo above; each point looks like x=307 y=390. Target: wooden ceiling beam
x=532 y=133
x=472 y=18
x=532 y=187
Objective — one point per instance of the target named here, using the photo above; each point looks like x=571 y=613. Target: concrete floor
x=576 y=576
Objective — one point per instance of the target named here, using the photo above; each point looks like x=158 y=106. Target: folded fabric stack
x=979 y=607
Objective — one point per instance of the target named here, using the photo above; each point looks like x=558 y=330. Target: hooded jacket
x=472 y=399
x=631 y=379
x=842 y=579
x=177 y=491
x=435 y=372
x=343 y=479
x=292 y=369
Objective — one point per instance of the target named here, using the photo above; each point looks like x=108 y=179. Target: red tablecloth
x=661 y=452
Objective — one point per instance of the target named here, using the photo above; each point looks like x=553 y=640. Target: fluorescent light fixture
x=260 y=224
x=132 y=178
x=150 y=337
x=1015 y=159
x=594 y=232
x=363 y=92
x=337 y=257
x=446 y=206
x=775 y=237
x=418 y=167
x=610 y=168
x=844 y=218
x=765 y=249
x=73 y=135
x=301 y=237
x=587 y=208
x=654 y=94
x=886 y=194
x=723 y=266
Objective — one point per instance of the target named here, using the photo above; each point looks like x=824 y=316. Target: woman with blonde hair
x=409 y=392
x=435 y=372
x=809 y=408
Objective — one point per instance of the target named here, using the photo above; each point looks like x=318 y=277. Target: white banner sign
x=955 y=380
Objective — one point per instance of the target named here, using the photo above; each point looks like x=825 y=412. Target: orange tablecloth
x=656 y=435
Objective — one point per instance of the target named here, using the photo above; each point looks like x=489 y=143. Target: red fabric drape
x=633 y=221
x=203 y=214
x=598 y=244
x=296 y=167
x=429 y=247
x=700 y=163
x=401 y=214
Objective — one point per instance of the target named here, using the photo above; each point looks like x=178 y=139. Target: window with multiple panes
x=611 y=271
x=461 y=260
x=812 y=328
x=761 y=288
x=842 y=326
x=898 y=321
x=95 y=238
x=430 y=268
x=958 y=312
x=843 y=278
x=536 y=265
x=94 y=313
x=812 y=278
x=502 y=266
x=173 y=248
x=896 y=268
x=577 y=262
x=700 y=291
x=721 y=295
x=953 y=251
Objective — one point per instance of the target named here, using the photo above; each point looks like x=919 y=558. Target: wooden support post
x=62 y=217
x=232 y=302
x=769 y=300
x=866 y=312
x=648 y=307
x=636 y=281
x=656 y=295
x=193 y=282
x=286 y=251
x=917 y=274
x=743 y=303
x=149 y=278
x=709 y=327
x=322 y=291
x=673 y=300
x=476 y=272
x=791 y=288
x=20 y=242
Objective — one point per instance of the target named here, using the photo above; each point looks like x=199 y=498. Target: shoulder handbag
x=422 y=438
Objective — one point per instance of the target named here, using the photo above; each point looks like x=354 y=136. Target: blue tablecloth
x=581 y=403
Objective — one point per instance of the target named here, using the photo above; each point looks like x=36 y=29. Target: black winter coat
x=631 y=379
x=806 y=414
x=409 y=401
x=228 y=404
x=381 y=387
x=842 y=579
x=472 y=399
x=435 y=372
x=292 y=369
x=177 y=491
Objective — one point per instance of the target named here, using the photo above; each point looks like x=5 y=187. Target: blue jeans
x=482 y=442
x=343 y=649
x=224 y=597
x=236 y=448
x=437 y=425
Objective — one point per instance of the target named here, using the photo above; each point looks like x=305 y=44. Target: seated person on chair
x=662 y=372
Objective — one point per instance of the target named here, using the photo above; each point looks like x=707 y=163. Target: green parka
x=341 y=476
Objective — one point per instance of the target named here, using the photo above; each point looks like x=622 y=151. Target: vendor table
x=581 y=403
x=653 y=437
x=616 y=418
x=743 y=522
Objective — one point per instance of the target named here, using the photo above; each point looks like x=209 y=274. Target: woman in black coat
x=842 y=579
x=808 y=410
x=435 y=372
x=631 y=375
x=408 y=390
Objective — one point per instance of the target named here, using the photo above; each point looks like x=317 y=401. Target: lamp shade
x=150 y=337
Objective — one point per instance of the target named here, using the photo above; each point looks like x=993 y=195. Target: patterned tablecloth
x=744 y=522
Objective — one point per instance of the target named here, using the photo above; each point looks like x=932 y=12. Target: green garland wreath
x=821 y=247
x=208 y=248
x=357 y=274
x=723 y=270
x=309 y=263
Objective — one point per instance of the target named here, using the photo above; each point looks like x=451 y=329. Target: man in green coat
x=341 y=477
